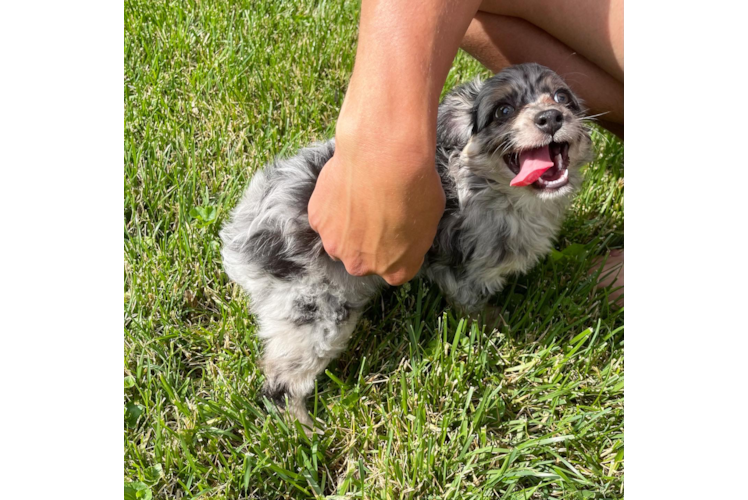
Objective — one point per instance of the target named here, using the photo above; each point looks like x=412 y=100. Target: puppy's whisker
x=508 y=146
x=594 y=117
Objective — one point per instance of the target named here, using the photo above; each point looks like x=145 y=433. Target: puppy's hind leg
x=290 y=370
x=294 y=356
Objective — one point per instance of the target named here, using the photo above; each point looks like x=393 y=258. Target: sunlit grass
x=424 y=403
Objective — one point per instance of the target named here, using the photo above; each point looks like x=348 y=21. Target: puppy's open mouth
x=545 y=167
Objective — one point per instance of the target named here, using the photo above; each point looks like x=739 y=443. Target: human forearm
x=404 y=53
x=378 y=201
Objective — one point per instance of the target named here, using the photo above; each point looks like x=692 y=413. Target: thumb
x=314 y=205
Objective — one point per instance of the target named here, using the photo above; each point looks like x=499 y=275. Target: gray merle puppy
x=508 y=153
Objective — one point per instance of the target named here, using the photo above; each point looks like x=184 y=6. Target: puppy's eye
x=561 y=97
x=504 y=111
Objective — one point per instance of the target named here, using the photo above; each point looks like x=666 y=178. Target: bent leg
x=592 y=28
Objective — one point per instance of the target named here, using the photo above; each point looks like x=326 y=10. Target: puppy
x=508 y=153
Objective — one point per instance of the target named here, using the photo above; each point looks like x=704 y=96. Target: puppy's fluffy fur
x=307 y=305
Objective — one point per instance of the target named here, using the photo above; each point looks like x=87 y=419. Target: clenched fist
x=378 y=201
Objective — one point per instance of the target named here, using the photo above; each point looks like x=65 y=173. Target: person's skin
x=378 y=201
x=611 y=274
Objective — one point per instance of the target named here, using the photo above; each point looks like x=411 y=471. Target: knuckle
x=398 y=277
x=313 y=217
x=357 y=267
x=330 y=249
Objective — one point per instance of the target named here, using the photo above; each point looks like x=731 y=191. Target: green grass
x=424 y=403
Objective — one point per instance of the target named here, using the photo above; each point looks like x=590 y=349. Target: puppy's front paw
x=488 y=316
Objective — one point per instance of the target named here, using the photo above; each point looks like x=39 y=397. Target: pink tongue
x=532 y=164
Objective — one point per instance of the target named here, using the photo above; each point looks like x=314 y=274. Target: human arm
x=378 y=201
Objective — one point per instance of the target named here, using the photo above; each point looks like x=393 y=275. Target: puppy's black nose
x=549 y=120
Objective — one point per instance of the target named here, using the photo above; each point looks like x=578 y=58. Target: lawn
x=424 y=403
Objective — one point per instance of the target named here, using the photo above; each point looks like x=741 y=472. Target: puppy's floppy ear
x=456 y=122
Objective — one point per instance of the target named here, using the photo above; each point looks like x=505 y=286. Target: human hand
x=378 y=201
